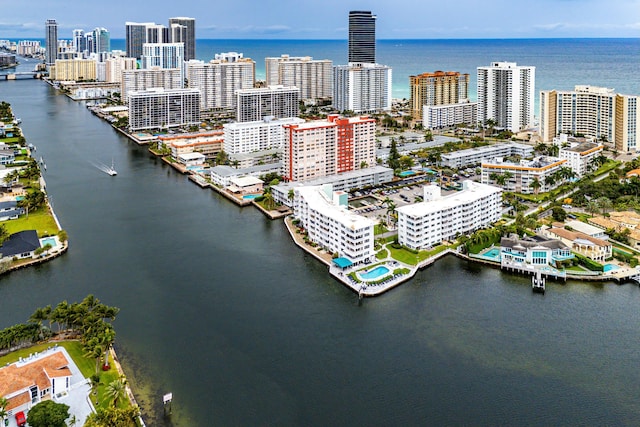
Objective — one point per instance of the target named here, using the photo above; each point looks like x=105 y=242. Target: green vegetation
x=48 y=413
x=588 y=263
x=11 y=140
x=382 y=254
x=379 y=229
x=412 y=257
x=40 y=220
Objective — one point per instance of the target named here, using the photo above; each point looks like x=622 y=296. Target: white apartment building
x=592 y=111
x=347 y=181
x=522 y=175
x=161 y=109
x=277 y=101
x=580 y=157
x=448 y=115
x=219 y=79
x=437 y=218
x=362 y=88
x=144 y=79
x=475 y=156
x=222 y=175
x=265 y=134
x=314 y=78
x=325 y=216
x=327 y=147
x=164 y=55
x=115 y=66
x=506 y=94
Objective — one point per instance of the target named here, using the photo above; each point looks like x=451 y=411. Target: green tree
x=558 y=213
x=48 y=414
x=3 y=409
x=115 y=390
x=291 y=194
x=535 y=185
x=394 y=156
x=113 y=417
x=604 y=203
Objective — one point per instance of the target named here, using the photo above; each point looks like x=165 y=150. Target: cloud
x=20 y=28
x=586 y=26
x=247 y=29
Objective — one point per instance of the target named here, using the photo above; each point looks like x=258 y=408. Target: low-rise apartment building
x=520 y=176
x=475 y=156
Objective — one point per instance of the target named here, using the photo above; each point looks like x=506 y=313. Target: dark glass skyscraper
x=189 y=34
x=51 y=41
x=362 y=37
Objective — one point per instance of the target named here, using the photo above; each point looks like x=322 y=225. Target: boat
x=111 y=170
x=537 y=283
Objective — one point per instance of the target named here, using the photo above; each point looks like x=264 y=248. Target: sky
x=328 y=19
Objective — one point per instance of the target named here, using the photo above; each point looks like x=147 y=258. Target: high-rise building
x=362 y=87
x=506 y=94
x=189 y=35
x=163 y=55
x=277 y=101
x=314 y=78
x=438 y=88
x=144 y=79
x=157 y=33
x=362 y=37
x=162 y=109
x=73 y=70
x=326 y=147
x=79 y=42
x=250 y=137
x=101 y=40
x=115 y=66
x=219 y=79
x=594 y=112
x=135 y=37
x=51 y=41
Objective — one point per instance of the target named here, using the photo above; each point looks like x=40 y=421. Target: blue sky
x=303 y=19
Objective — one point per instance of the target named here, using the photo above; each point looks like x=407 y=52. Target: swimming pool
x=493 y=253
x=609 y=267
x=49 y=240
x=250 y=196
x=406 y=173
x=380 y=270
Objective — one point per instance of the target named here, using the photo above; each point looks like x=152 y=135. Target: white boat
x=537 y=283
x=112 y=170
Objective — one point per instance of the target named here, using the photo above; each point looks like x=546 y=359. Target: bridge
x=22 y=75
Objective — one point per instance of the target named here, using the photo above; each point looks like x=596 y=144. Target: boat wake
x=109 y=170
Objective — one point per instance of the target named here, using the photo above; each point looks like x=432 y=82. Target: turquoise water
x=609 y=267
x=375 y=273
x=50 y=241
x=407 y=173
x=250 y=196
x=18 y=198
x=493 y=253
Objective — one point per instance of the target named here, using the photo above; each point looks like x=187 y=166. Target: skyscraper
x=439 y=88
x=79 y=42
x=101 y=40
x=51 y=41
x=135 y=35
x=506 y=95
x=189 y=35
x=362 y=37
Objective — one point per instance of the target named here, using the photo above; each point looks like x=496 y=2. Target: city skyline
x=398 y=20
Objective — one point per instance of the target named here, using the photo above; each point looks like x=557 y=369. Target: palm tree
x=3 y=409
x=391 y=208
x=93 y=349
x=291 y=194
x=535 y=185
x=604 y=203
x=106 y=340
x=493 y=176
x=115 y=390
x=269 y=201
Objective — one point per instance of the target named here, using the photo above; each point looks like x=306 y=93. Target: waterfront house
x=193 y=159
x=7 y=156
x=246 y=185
x=33 y=379
x=10 y=210
x=20 y=245
x=533 y=250
x=591 y=247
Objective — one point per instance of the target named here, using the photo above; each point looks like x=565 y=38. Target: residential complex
x=475 y=156
x=219 y=79
x=207 y=143
x=277 y=101
x=533 y=250
x=314 y=78
x=327 y=147
x=163 y=55
x=265 y=134
x=362 y=87
x=506 y=94
x=162 y=109
x=443 y=116
x=581 y=243
x=437 y=218
x=144 y=79
x=519 y=177
x=180 y=30
x=438 y=88
x=115 y=66
x=580 y=157
x=135 y=37
x=362 y=37
x=324 y=215
x=73 y=70
x=594 y=112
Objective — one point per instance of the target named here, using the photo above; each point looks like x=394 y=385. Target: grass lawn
x=11 y=140
x=41 y=220
x=382 y=254
x=411 y=258
x=576 y=268
x=379 y=229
